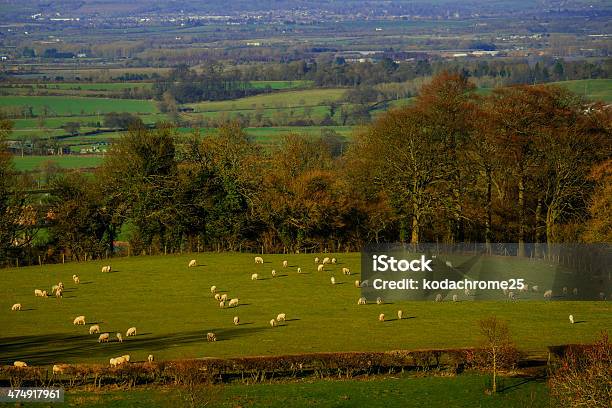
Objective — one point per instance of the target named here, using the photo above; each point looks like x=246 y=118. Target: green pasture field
x=172 y=308
x=594 y=89
x=28 y=163
x=281 y=85
x=463 y=391
x=73 y=105
x=85 y=86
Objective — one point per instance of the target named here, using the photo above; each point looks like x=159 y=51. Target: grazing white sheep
x=150 y=358
x=564 y=290
x=60 y=285
x=79 y=320
x=575 y=291
x=211 y=337
x=60 y=368
x=39 y=293
x=103 y=338
x=192 y=263
x=361 y=301
x=54 y=288
x=254 y=276
x=234 y=302
x=299 y=270
x=317 y=260
x=273 y=273
x=325 y=260
x=455 y=298
x=548 y=294
x=273 y=323
x=130 y=332
x=119 y=338
x=126 y=357
x=346 y=271
x=333 y=280
x=285 y=264
x=94 y=329
x=59 y=293
x=213 y=289
x=357 y=284
x=224 y=297
x=16 y=307
x=217 y=297
x=222 y=304
x=320 y=267
x=379 y=301
x=258 y=260
x=236 y=320
x=281 y=317
x=19 y=364
x=400 y=315
x=535 y=288
x=381 y=317
x=76 y=279
x=333 y=260
x=106 y=268
x=438 y=297
x=449 y=264
x=113 y=362
x=571 y=319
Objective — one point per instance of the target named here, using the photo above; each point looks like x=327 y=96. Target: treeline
x=525 y=164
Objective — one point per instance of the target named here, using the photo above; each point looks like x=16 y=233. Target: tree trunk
x=489 y=215
x=521 y=208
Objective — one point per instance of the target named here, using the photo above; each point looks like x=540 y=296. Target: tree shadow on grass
x=525 y=380
x=27 y=310
x=86 y=283
x=62 y=347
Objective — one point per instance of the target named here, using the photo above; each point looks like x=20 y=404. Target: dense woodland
x=524 y=164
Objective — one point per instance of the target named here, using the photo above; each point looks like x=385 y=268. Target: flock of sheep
x=57 y=291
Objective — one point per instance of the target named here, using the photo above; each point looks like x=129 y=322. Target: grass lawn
x=172 y=307
x=279 y=85
x=595 y=89
x=27 y=163
x=384 y=392
x=73 y=105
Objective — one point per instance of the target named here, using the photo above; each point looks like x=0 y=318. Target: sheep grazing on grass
x=357 y=284
x=217 y=297
x=106 y=268
x=150 y=358
x=119 y=338
x=258 y=260
x=236 y=320
x=320 y=267
x=126 y=357
x=59 y=293
x=346 y=271
x=20 y=364
x=381 y=317
x=254 y=276
x=130 y=332
x=192 y=263
x=224 y=297
x=76 y=279
x=285 y=264
x=233 y=302
x=60 y=368
x=317 y=260
x=438 y=297
x=94 y=329
x=103 y=338
x=60 y=285
x=575 y=291
x=325 y=260
x=548 y=294
x=535 y=288
x=299 y=270
x=361 y=301
x=79 y=320
x=213 y=289
x=272 y=323
x=40 y=293
x=333 y=260
x=222 y=304
x=113 y=362
x=400 y=315
x=273 y=273
x=333 y=280
x=211 y=337
x=571 y=319
x=455 y=298
x=565 y=290
x=16 y=307
x=281 y=317
x=379 y=301
x=54 y=289
x=449 y=264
